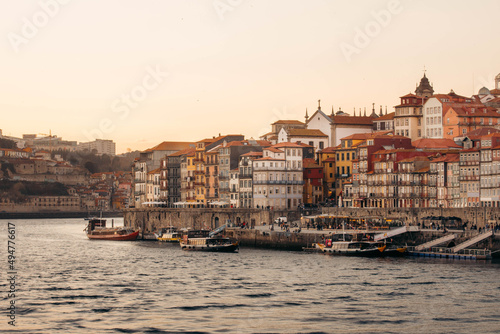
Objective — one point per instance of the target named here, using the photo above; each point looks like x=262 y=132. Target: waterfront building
x=149 y=160
x=326 y=158
x=278 y=177
x=469 y=177
x=383 y=183
x=187 y=178
x=313 y=182
x=364 y=180
x=444 y=180
x=174 y=175
x=410 y=187
x=234 y=187
x=489 y=170
x=153 y=185
x=246 y=179
x=99 y=147
x=203 y=146
x=212 y=175
x=229 y=154
x=163 y=179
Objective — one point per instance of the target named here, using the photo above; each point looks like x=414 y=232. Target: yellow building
x=345 y=153
x=326 y=159
x=190 y=178
x=199 y=171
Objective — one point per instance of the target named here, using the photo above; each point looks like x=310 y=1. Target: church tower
x=425 y=88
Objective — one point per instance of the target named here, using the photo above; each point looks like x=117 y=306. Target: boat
x=393 y=250
x=168 y=234
x=345 y=244
x=352 y=248
x=208 y=241
x=96 y=230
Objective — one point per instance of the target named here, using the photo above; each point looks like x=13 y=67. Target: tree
x=7 y=143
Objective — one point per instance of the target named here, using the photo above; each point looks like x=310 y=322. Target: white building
x=153 y=186
x=278 y=177
x=311 y=137
x=234 y=187
x=101 y=146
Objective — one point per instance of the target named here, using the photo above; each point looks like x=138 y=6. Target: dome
x=484 y=91
x=498 y=76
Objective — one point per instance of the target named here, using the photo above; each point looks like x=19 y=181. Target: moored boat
x=168 y=234
x=351 y=248
x=96 y=229
x=207 y=241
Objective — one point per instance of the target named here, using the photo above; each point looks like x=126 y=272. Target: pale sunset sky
x=142 y=72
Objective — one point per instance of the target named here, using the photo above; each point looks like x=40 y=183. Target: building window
x=321 y=145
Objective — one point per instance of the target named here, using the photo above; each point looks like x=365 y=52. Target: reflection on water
x=69 y=284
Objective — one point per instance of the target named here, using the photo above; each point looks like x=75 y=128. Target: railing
x=445 y=250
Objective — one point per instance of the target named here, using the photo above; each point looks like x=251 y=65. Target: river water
x=66 y=283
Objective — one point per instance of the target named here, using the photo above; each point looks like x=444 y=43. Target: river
x=66 y=283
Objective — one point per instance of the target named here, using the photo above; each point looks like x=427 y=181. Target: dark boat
x=206 y=241
x=96 y=229
x=346 y=244
x=352 y=248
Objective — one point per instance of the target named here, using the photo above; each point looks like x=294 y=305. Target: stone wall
x=150 y=219
x=474 y=216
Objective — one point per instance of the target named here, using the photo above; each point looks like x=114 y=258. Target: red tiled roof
x=388 y=117
x=306 y=133
x=287 y=144
x=269 y=158
x=274 y=149
x=434 y=143
x=352 y=120
x=186 y=151
x=288 y=122
x=329 y=149
x=252 y=154
x=170 y=146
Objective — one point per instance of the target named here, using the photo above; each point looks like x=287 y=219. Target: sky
x=143 y=72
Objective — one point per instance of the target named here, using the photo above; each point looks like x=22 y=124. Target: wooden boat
x=206 y=241
x=337 y=246
x=96 y=230
x=168 y=234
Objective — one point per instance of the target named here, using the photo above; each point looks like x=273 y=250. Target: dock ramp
x=475 y=240
x=396 y=231
x=436 y=242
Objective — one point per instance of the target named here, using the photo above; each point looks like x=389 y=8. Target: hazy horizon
x=140 y=73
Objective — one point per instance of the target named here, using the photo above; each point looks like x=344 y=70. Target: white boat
x=168 y=234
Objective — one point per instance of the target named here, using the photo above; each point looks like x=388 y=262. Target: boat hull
x=369 y=252
x=228 y=248
x=116 y=237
